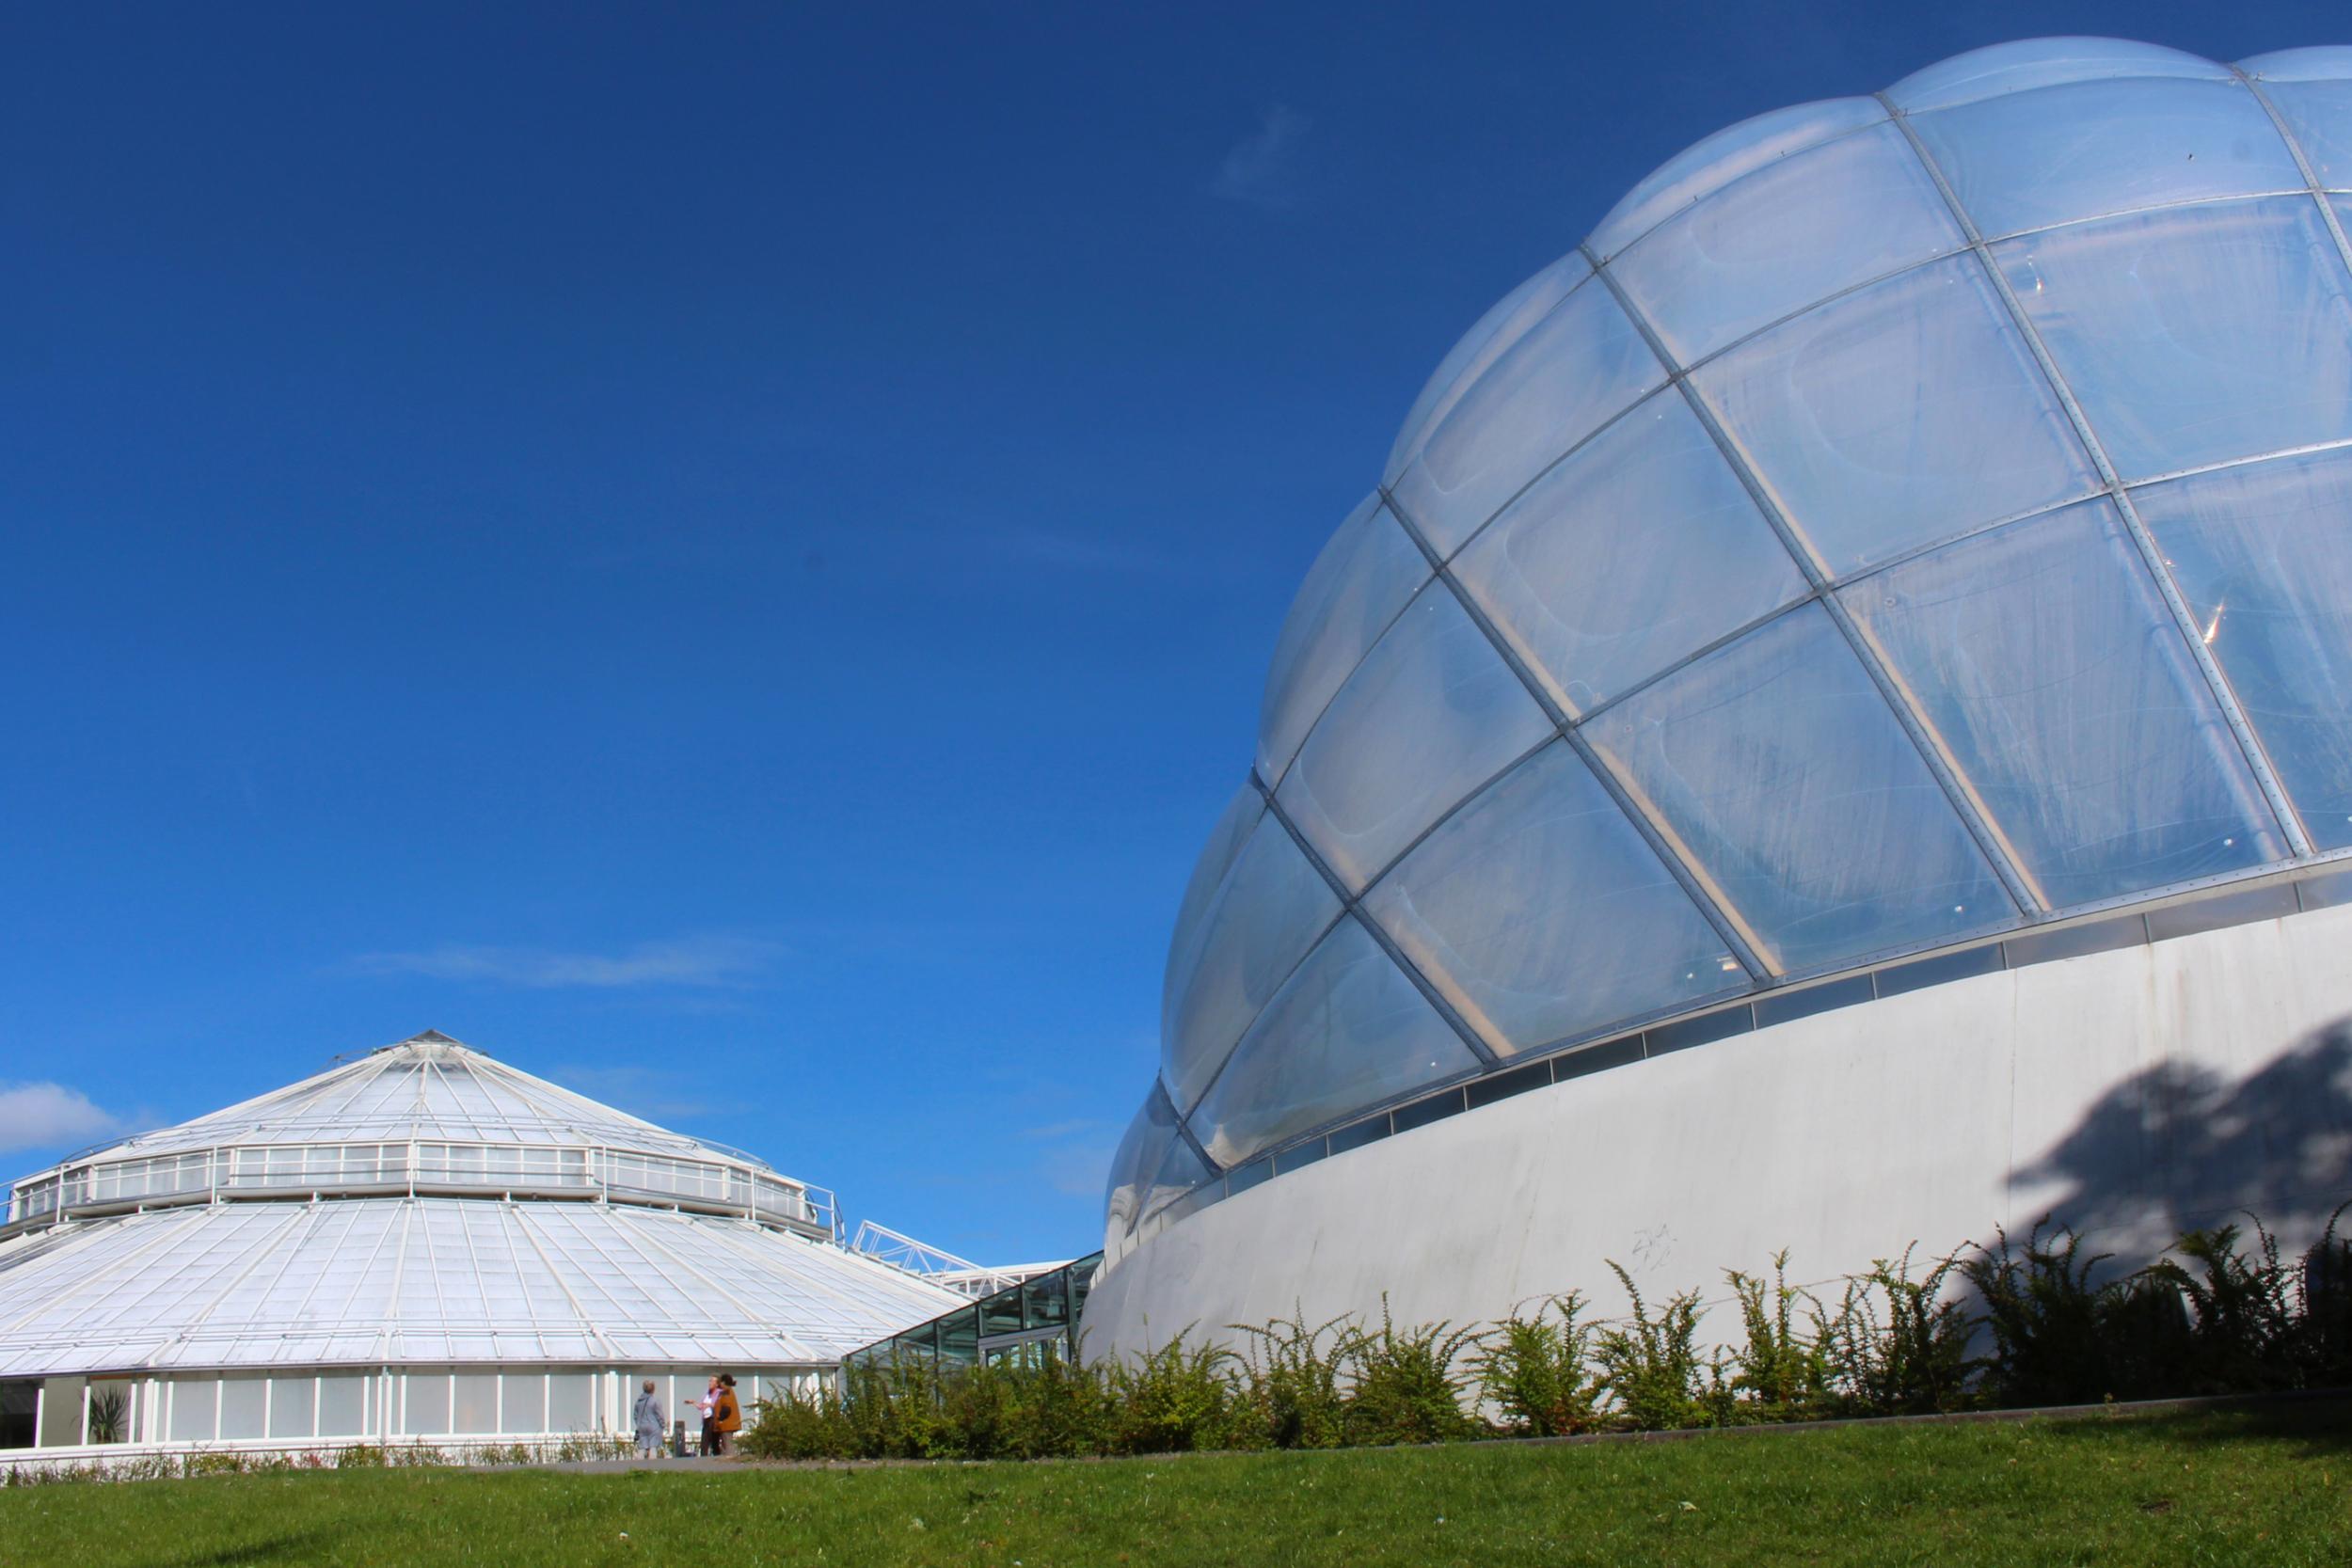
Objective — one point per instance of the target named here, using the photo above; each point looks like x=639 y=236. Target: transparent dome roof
x=1904 y=518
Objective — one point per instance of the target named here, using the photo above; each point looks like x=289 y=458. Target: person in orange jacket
x=726 y=1417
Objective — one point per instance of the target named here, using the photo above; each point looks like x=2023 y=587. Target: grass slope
x=2271 y=1486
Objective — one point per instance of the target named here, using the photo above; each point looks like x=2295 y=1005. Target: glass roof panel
x=1779 y=767
x=1233 y=827
x=2029 y=63
x=1707 y=167
x=1357 y=586
x=1638 y=551
x=269 y=1284
x=2046 y=659
x=1539 y=912
x=1348 y=1031
x=1787 y=237
x=2195 y=335
x=1139 y=1156
x=1181 y=1170
x=1432 y=713
x=1484 y=343
x=2262 y=554
x=2312 y=89
x=1898 y=415
x=1268 y=912
x=1564 y=380
x=2029 y=160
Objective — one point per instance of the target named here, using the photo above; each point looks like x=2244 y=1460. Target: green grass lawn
x=2270 y=1486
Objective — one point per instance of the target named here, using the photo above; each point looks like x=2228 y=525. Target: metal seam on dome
x=1184 y=1133
x=1724 y=639
x=2152 y=557
x=1672 y=854
x=1420 y=982
x=1339 y=891
x=2227 y=199
x=2023 y=894
x=2303 y=165
x=2311 y=449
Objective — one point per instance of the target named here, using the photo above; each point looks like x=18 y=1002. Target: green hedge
x=2003 y=1326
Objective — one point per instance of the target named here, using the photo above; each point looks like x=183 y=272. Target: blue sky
x=727 y=557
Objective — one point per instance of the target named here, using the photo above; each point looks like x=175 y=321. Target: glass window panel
x=427 y=1404
x=1348 y=1031
x=1484 y=343
x=2030 y=63
x=1637 y=551
x=1782 y=771
x=523 y=1402
x=1432 y=713
x=195 y=1408
x=1564 y=380
x=571 y=1402
x=2264 y=556
x=2312 y=89
x=1139 y=1156
x=2196 y=334
x=1897 y=416
x=959 y=1338
x=343 y=1404
x=1272 y=907
x=1001 y=1313
x=476 y=1403
x=2044 y=658
x=244 y=1403
x=1356 y=587
x=1539 y=912
x=1707 y=167
x=292 y=1407
x=2029 y=160
x=1787 y=237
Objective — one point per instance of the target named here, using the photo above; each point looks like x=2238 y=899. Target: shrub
x=1538 y=1370
x=1290 y=1395
x=1402 y=1385
x=1896 y=1346
x=1171 y=1400
x=2325 y=1330
x=1650 y=1367
x=2049 y=1323
x=2246 y=1335
x=1780 y=1371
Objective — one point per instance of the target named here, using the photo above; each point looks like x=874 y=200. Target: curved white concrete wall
x=2134 y=1093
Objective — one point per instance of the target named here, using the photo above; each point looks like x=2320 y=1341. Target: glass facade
x=1907 y=522
x=1020 y=1322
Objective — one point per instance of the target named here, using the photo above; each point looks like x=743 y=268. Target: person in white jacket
x=708 y=1405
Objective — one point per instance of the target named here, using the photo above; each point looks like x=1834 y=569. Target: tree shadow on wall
x=2179 y=1147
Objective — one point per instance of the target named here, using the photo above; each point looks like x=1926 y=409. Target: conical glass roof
x=427 y=1204
x=428 y=1086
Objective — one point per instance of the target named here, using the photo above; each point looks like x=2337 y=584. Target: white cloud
x=51 y=1116
x=1264 y=168
x=686 y=961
